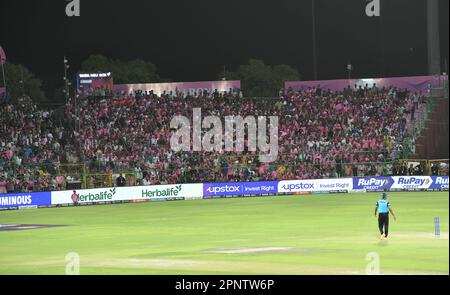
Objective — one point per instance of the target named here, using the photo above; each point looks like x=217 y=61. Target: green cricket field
x=301 y=234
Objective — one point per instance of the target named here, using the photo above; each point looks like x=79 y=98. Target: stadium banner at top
x=89 y=83
x=240 y=188
x=24 y=199
x=416 y=83
x=151 y=192
x=180 y=87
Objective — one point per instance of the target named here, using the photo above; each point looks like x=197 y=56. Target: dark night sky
x=192 y=40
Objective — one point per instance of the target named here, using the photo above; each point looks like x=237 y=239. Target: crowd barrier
x=218 y=190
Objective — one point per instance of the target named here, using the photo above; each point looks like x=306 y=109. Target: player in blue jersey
x=383 y=208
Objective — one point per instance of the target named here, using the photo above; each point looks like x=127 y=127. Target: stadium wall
x=175 y=192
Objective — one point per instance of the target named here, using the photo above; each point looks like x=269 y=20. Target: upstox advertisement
x=211 y=190
x=153 y=192
x=315 y=185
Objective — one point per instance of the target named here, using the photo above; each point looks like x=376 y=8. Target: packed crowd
x=321 y=134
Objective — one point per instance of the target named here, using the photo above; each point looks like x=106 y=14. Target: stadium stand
x=356 y=132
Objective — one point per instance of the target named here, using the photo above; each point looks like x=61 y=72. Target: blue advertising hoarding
x=25 y=199
x=401 y=183
x=239 y=188
x=439 y=183
x=372 y=183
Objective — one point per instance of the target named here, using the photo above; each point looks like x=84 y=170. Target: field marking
x=252 y=250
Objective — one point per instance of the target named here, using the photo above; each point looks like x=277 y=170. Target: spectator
x=321 y=133
x=120 y=181
x=2 y=185
x=434 y=169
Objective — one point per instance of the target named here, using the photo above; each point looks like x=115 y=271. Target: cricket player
x=75 y=198
x=383 y=207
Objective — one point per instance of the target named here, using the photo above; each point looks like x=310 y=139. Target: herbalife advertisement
x=154 y=192
x=170 y=192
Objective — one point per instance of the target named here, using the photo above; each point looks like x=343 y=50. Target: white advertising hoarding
x=315 y=185
x=411 y=182
x=187 y=191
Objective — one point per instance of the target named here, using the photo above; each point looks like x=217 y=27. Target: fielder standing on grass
x=383 y=207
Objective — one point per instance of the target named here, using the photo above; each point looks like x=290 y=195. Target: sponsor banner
x=301 y=193
x=336 y=192
x=28 y=207
x=372 y=183
x=170 y=191
x=212 y=197
x=175 y=199
x=157 y=199
x=439 y=183
x=240 y=188
x=8 y=208
x=355 y=191
x=139 y=201
x=289 y=186
x=24 y=199
x=339 y=184
x=315 y=185
x=193 y=198
x=411 y=182
x=87 y=196
x=129 y=193
x=320 y=193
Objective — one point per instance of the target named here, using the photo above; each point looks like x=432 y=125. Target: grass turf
x=323 y=234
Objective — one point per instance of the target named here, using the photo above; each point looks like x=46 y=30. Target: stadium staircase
x=432 y=143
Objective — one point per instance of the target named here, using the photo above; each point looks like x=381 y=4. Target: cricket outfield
x=314 y=234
